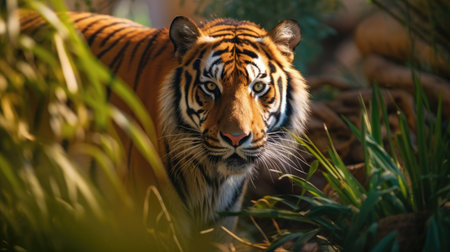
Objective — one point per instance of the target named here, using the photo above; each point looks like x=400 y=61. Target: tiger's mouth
x=235 y=163
x=235 y=160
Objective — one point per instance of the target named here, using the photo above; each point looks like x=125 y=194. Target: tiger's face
x=234 y=89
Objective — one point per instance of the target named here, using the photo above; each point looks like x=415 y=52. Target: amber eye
x=259 y=87
x=211 y=87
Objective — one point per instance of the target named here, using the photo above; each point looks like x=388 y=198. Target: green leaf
x=304 y=238
x=282 y=240
x=9 y=173
x=273 y=213
x=433 y=242
x=312 y=169
x=376 y=90
x=386 y=243
x=305 y=185
x=375 y=117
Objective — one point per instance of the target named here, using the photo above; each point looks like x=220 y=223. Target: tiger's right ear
x=286 y=36
x=183 y=33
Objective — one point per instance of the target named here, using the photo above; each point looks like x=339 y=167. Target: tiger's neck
x=204 y=191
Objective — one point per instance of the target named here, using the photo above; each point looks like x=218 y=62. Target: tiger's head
x=233 y=94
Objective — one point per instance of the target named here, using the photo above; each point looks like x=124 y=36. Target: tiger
x=223 y=94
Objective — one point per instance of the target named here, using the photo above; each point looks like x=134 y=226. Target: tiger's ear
x=183 y=33
x=286 y=36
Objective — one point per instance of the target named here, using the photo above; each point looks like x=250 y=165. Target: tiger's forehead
x=235 y=52
x=231 y=27
x=234 y=63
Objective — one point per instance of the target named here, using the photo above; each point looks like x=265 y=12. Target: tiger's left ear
x=286 y=36
x=183 y=33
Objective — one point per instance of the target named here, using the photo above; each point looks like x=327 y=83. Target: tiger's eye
x=211 y=86
x=258 y=87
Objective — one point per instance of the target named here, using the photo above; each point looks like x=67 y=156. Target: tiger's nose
x=235 y=138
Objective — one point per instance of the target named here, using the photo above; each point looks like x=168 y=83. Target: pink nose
x=234 y=137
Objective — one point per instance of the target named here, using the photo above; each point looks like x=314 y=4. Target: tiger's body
x=220 y=95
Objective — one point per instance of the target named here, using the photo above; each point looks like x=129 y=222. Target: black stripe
x=189 y=61
x=219 y=52
x=230 y=22
x=222 y=35
x=236 y=29
x=110 y=35
x=144 y=58
x=93 y=23
x=136 y=47
x=249 y=53
x=233 y=34
x=95 y=34
x=237 y=40
x=270 y=57
x=197 y=99
x=38 y=28
x=210 y=73
x=280 y=85
x=258 y=139
x=289 y=98
x=253 y=64
x=272 y=100
x=272 y=67
x=176 y=87
x=162 y=49
x=23 y=24
x=118 y=59
x=190 y=112
x=83 y=18
x=197 y=64
x=212 y=139
x=254 y=46
x=100 y=55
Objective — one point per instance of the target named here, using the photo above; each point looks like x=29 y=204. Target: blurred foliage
x=429 y=20
x=310 y=14
x=60 y=154
x=136 y=10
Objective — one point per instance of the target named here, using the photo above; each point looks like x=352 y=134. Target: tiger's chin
x=235 y=165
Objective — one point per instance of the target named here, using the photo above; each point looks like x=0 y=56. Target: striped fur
x=202 y=84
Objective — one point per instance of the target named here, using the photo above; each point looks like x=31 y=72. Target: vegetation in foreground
x=60 y=154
